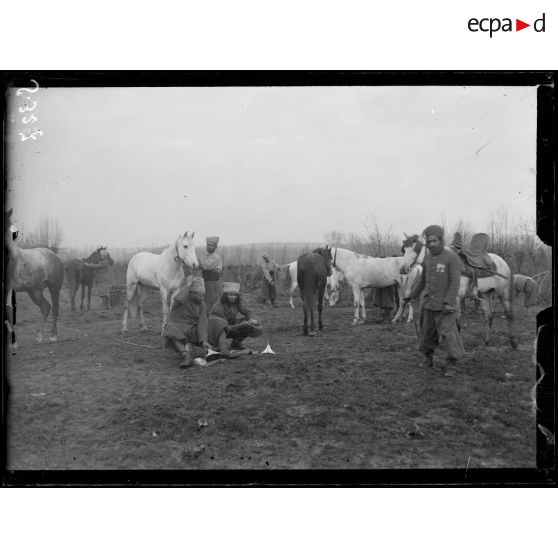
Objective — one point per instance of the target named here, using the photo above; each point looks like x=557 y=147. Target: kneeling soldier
x=188 y=321
x=229 y=318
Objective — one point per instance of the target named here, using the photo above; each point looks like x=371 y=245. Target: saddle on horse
x=476 y=261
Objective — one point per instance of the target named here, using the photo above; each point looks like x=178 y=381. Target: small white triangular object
x=211 y=352
x=269 y=350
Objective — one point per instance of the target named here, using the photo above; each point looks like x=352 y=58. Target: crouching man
x=188 y=324
x=229 y=318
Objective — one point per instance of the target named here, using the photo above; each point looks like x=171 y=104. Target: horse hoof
x=312 y=333
x=14 y=348
x=53 y=338
x=513 y=343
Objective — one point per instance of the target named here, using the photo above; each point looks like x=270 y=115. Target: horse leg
x=89 y=289
x=362 y=305
x=10 y=321
x=82 y=296
x=320 y=308
x=312 y=330
x=73 y=289
x=508 y=310
x=166 y=308
x=38 y=298
x=291 y=292
x=130 y=296
x=55 y=299
x=305 y=326
x=143 y=293
x=488 y=318
x=356 y=304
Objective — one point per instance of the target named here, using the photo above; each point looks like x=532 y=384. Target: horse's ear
x=406 y=237
x=193 y=233
x=185 y=234
x=9 y=212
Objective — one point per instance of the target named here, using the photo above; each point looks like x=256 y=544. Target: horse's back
x=366 y=271
x=311 y=270
x=37 y=268
x=142 y=268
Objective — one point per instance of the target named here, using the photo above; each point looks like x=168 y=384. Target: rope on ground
x=137 y=344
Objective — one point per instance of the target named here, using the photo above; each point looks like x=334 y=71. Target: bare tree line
x=513 y=239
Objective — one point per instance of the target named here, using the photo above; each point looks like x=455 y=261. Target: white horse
x=289 y=272
x=502 y=285
x=162 y=271
x=363 y=272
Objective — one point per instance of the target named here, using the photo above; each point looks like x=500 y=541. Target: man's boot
x=222 y=345
x=187 y=360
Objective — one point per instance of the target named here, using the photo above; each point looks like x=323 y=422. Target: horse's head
x=186 y=250
x=333 y=288
x=104 y=255
x=325 y=253
x=411 y=249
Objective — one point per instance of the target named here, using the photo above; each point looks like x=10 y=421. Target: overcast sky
x=269 y=164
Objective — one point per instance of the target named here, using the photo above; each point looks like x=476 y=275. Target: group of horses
x=33 y=270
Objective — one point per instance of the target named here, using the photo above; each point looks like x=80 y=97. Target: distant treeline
x=514 y=241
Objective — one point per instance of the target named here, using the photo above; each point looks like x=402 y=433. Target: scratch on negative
x=537 y=364
x=481 y=148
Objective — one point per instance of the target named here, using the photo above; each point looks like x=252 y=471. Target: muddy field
x=350 y=398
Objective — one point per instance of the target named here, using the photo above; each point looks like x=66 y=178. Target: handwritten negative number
x=28 y=109
x=20 y=91
x=29 y=119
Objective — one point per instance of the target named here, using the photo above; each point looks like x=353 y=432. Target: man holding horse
x=102 y=280
x=230 y=318
x=440 y=283
x=268 y=288
x=188 y=321
x=212 y=268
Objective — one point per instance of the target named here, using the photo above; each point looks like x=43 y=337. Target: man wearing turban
x=440 y=283
x=212 y=268
x=230 y=318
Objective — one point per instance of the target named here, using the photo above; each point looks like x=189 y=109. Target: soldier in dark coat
x=440 y=283
x=187 y=324
x=212 y=268
x=231 y=319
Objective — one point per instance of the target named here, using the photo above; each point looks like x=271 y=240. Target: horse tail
x=287 y=276
x=133 y=303
x=307 y=289
x=511 y=293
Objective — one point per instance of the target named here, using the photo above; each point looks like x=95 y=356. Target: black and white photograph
x=266 y=274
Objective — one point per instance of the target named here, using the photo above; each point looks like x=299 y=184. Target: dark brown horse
x=79 y=274
x=312 y=272
x=32 y=270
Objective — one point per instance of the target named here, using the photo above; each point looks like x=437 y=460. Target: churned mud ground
x=349 y=398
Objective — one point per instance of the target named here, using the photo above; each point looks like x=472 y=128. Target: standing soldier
x=440 y=282
x=268 y=288
x=102 y=279
x=212 y=268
